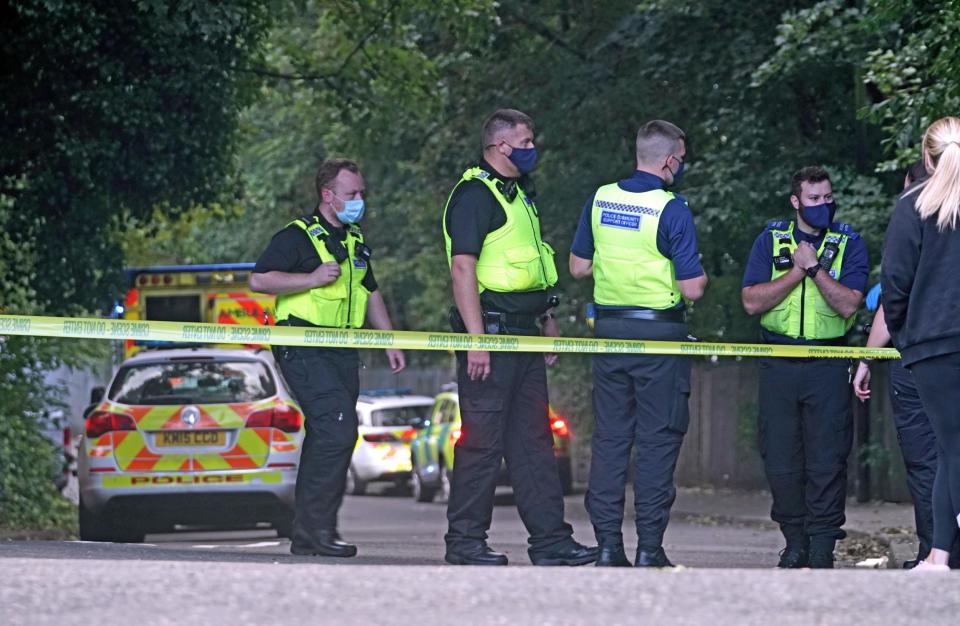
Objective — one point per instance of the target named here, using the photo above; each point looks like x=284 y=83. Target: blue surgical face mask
x=524 y=159
x=818 y=216
x=352 y=211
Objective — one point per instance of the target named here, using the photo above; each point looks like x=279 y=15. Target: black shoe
x=612 y=556
x=793 y=558
x=912 y=563
x=821 y=559
x=575 y=554
x=323 y=543
x=479 y=556
x=657 y=558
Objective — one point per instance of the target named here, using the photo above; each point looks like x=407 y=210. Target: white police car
x=388 y=418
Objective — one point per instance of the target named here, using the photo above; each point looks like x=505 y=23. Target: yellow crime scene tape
x=184 y=332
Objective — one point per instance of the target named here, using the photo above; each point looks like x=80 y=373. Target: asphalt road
x=245 y=577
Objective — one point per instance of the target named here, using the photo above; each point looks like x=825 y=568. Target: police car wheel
x=422 y=492
x=100 y=527
x=355 y=486
x=92 y=526
x=284 y=525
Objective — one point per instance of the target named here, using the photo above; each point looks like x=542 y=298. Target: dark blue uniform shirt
x=676 y=235
x=853 y=275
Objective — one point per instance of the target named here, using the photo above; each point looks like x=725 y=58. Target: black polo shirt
x=472 y=213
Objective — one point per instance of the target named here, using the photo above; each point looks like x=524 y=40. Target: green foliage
x=109 y=107
x=108 y=110
x=210 y=233
x=28 y=461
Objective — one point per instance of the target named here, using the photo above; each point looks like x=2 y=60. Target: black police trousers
x=325 y=383
x=505 y=417
x=639 y=402
x=806 y=433
x=918 y=444
x=938 y=379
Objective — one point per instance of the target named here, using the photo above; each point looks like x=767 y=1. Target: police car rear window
x=192 y=382
x=400 y=415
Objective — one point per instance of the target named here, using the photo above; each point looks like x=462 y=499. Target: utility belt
x=655 y=315
x=495 y=322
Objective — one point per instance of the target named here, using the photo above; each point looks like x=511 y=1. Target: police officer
x=639 y=243
x=319 y=267
x=502 y=271
x=806 y=278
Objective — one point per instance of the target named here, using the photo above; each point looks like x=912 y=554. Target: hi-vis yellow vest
x=342 y=303
x=628 y=269
x=513 y=257
x=804 y=312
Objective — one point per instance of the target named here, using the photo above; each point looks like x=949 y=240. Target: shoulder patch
x=844 y=229
x=778 y=224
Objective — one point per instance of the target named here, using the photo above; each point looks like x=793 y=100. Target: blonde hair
x=940 y=194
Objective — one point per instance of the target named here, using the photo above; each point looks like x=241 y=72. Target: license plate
x=186 y=438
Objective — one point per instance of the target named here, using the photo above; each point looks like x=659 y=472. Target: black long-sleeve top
x=920 y=280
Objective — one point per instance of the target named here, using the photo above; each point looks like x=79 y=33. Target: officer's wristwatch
x=812 y=271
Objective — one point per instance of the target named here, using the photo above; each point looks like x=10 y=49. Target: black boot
x=821 y=553
x=612 y=556
x=793 y=557
x=481 y=555
x=652 y=558
x=322 y=543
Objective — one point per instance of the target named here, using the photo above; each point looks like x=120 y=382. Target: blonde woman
x=921 y=301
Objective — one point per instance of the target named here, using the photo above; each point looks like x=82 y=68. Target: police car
x=203 y=436
x=387 y=418
x=431 y=451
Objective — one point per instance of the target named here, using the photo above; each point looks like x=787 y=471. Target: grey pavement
x=723 y=539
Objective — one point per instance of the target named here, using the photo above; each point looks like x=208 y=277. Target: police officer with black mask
x=806 y=278
x=639 y=243
x=502 y=273
x=319 y=267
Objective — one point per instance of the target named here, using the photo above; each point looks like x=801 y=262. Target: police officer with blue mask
x=503 y=277
x=320 y=268
x=806 y=278
x=638 y=241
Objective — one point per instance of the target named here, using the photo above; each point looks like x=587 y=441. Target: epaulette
x=778 y=224
x=844 y=229
x=681 y=198
x=306 y=220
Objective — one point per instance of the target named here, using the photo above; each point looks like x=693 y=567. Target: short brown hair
x=809 y=174
x=502 y=119
x=329 y=170
x=658 y=139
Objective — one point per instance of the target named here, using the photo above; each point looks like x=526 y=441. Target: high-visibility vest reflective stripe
x=628 y=269
x=514 y=257
x=342 y=303
x=805 y=312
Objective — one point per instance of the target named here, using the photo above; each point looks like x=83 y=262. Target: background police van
x=193 y=293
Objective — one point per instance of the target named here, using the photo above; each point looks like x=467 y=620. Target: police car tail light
x=103 y=422
x=407 y=435
x=456 y=434
x=287 y=419
x=559 y=426
x=378 y=437
x=284 y=418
